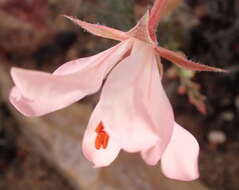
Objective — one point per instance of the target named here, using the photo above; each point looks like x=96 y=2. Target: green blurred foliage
x=120 y=14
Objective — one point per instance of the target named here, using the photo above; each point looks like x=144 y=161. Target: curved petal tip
x=180 y=160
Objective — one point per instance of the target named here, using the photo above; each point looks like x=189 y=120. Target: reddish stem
x=155 y=15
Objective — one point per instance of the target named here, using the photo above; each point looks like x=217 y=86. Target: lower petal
x=123 y=99
x=99 y=157
x=160 y=111
x=180 y=160
x=137 y=112
x=152 y=155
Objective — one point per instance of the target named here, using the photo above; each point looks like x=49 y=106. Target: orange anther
x=102 y=137
x=97 y=142
x=99 y=128
x=105 y=141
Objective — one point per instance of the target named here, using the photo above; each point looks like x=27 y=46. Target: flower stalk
x=155 y=15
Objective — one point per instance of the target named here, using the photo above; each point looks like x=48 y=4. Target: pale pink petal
x=100 y=30
x=183 y=62
x=161 y=112
x=180 y=160
x=137 y=113
x=37 y=93
x=153 y=154
x=81 y=63
x=101 y=157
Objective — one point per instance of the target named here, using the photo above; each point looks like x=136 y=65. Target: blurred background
x=45 y=153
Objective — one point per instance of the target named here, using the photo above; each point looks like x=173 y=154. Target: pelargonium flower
x=133 y=113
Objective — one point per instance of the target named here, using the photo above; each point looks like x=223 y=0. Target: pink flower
x=133 y=113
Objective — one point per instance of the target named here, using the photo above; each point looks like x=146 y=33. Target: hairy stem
x=155 y=15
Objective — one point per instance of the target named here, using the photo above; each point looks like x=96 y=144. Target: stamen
x=102 y=137
x=106 y=140
x=97 y=142
x=99 y=128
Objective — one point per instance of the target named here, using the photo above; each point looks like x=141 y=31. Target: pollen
x=102 y=138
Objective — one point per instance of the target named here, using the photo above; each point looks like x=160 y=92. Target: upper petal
x=37 y=93
x=180 y=160
x=100 y=30
x=108 y=58
x=129 y=100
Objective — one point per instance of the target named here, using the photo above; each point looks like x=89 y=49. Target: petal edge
x=100 y=30
x=181 y=61
x=180 y=159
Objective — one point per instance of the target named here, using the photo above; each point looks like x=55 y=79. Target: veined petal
x=181 y=61
x=37 y=93
x=180 y=160
x=99 y=157
x=160 y=110
x=100 y=30
x=127 y=98
x=113 y=54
